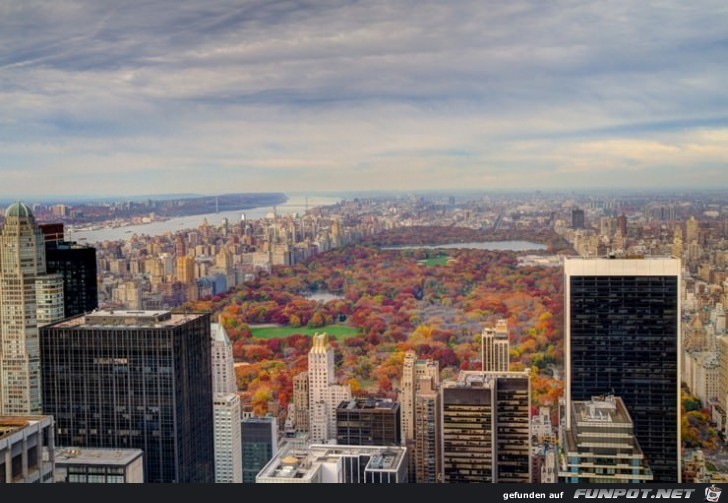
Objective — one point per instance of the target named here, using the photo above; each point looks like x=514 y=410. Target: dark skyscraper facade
x=134 y=379
x=623 y=337
x=77 y=265
x=577 y=218
x=259 y=445
x=368 y=421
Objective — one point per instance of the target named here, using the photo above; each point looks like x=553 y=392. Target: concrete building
x=542 y=428
x=99 y=466
x=26 y=449
x=622 y=336
x=600 y=445
x=228 y=439
x=134 y=379
x=337 y=464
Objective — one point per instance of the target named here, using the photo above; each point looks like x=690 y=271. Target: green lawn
x=340 y=331
x=441 y=260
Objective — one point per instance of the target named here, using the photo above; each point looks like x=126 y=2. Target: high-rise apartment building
x=495 y=349
x=425 y=449
x=600 y=445
x=622 y=225
x=29 y=297
x=134 y=379
x=413 y=371
x=186 y=269
x=485 y=427
x=324 y=394
x=228 y=448
x=622 y=336
x=300 y=402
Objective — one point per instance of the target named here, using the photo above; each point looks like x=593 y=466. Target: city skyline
x=201 y=97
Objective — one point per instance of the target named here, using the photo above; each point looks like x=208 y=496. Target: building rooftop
x=219 y=334
x=96 y=456
x=122 y=318
x=11 y=424
x=368 y=403
x=477 y=378
x=18 y=209
x=304 y=463
x=606 y=409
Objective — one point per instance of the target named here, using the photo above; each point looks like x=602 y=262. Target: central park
x=386 y=295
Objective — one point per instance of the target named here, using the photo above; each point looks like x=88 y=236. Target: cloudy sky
x=214 y=96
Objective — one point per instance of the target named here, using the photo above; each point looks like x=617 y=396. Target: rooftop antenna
x=306 y=203
x=217 y=207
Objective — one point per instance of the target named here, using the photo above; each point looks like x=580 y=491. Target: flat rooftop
x=11 y=424
x=480 y=379
x=303 y=464
x=124 y=318
x=368 y=403
x=96 y=456
x=601 y=410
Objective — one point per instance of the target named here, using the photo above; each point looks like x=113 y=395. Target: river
x=296 y=204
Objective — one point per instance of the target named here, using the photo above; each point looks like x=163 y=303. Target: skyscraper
x=226 y=409
x=486 y=433
x=426 y=444
x=228 y=443
x=577 y=218
x=77 y=265
x=413 y=371
x=324 y=394
x=223 y=365
x=495 y=351
x=622 y=320
x=300 y=402
x=29 y=297
x=134 y=379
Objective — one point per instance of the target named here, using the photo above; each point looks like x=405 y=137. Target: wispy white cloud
x=186 y=95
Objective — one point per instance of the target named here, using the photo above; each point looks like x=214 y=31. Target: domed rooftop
x=18 y=209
